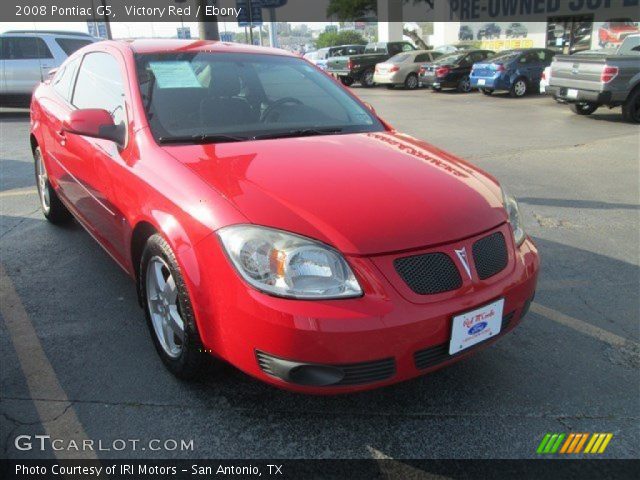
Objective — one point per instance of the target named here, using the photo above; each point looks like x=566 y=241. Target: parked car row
x=585 y=80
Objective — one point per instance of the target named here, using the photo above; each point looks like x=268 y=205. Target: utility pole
x=107 y=24
x=207 y=25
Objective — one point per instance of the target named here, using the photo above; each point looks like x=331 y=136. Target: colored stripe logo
x=592 y=443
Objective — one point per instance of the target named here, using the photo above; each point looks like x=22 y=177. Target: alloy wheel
x=164 y=309
x=412 y=82
x=520 y=88
x=367 y=79
x=43 y=184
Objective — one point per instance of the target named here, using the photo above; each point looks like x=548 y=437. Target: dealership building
x=563 y=26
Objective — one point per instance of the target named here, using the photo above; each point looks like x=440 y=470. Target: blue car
x=516 y=71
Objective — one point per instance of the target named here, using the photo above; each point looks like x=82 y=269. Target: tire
x=367 y=79
x=411 y=82
x=586 y=108
x=487 y=91
x=52 y=207
x=464 y=85
x=180 y=351
x=519 y=88
x=346 y=81
x=631 y=108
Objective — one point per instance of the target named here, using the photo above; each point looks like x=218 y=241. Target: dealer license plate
x=481 y=81
x=572 y=93
x=475 y=326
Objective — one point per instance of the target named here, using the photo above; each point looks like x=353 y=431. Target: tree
x=344 y=37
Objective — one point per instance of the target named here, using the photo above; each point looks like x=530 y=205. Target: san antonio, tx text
x=142 y=469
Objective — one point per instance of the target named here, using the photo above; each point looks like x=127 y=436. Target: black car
x=489 y=30
x=453 y=70
x=465 y=33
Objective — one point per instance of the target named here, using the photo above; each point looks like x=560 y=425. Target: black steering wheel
x=277 y=104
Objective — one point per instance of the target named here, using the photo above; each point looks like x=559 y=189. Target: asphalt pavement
x=77 y=359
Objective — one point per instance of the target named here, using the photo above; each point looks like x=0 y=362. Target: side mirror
x=370 y=107
x=95 y=123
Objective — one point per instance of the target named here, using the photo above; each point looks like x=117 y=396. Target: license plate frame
x=474 y=326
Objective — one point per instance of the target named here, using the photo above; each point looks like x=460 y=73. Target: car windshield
x=622 y=22
x=505 y=56
x=203 y=96
x=399 y=58
x=451 y=58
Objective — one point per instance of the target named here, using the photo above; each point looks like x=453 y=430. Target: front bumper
x=386 y=331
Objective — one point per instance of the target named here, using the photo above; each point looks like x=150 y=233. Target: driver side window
x=99 y=85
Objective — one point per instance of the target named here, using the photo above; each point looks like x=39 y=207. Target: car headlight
x=515 y=219
x=288 y=265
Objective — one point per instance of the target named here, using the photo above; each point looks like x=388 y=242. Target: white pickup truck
x=27 y=57
x=590 y=80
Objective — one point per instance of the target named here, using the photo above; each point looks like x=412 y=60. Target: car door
x=26 y=61
x=90 y=162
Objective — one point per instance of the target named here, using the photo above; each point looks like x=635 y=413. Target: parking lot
x=78 y=362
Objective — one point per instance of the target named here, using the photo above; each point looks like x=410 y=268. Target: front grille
x=432 y=356
x=368 y=372
x=353 y=373
x=429 y=273
x=490 y=255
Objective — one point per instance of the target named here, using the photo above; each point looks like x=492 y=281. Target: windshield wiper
x=302 y=132
x=202 y=138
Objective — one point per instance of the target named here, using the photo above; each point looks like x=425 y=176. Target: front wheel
x=586 y=108
x=519 y=88
x=346 y=81
x=411 y=82
x=367 y=79
x=52 y=208
x=168 y=310
x=631 y=108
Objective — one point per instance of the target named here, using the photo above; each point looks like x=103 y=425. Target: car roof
x=150 y=46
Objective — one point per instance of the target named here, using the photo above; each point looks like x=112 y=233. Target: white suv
x=26 y=57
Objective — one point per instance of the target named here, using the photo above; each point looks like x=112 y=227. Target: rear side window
x=99 y=85
x=24 y=48
x=63 y=80
x=70 y=45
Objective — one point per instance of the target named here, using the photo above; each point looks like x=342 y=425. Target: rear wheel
x=168 y=310
x=367 y=79
x=346 y=81
x=52 y=208
x=411 y=82
x=631 y=108
x=519 y=88
x=486 y=91
x=464 y=85
x=586 y=108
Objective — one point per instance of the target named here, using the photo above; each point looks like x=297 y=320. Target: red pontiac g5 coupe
x=272 y=220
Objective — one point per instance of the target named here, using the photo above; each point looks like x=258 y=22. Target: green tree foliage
x=344 y=37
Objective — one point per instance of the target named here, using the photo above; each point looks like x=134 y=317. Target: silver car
x=402 y=69
x=27 y=57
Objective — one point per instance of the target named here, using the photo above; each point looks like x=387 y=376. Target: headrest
x=225 y=80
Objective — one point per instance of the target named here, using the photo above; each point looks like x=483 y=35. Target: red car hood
x=623 y=28
x=365 y=193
